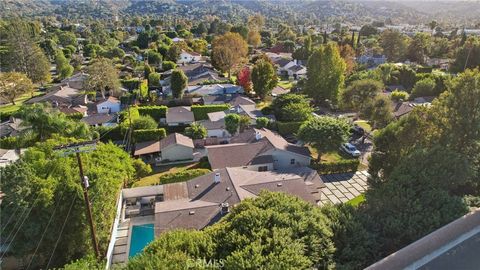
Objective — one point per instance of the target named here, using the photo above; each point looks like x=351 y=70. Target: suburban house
x=179 y=116
x=74 y=109
x=215 y=125
x=258 y=149
x=278 y=90
x=405 y=107
x=174 y=147
x=189 y=57
x=61 y=96
x=8 y=156
x=214 y=90
x=101 y=119
x=296 y=72
x=108 y=105
x=11 y=128
x=202 y=201
x=241 y=100
x=197 y=74
x=372 y=60
x=251 y=111
x=76 y=81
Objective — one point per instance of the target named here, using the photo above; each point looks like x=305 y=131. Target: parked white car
x=350 y=149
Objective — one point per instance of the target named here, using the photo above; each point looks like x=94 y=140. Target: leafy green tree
x=243 y=122
x=368 y=30
x=419 y=48
x=22 y=52
x=394 y=45
x=232 y=122
x=173 y=53
x=379 y=112
x=325 y=74
x=178 y=82
x=64 y=69
x=424 y=87
x=325 y=133
x=196 y=131
x=47 y=193
x=359 y=94
x=154 y=58
x=467 y=56
x=228 y=51
x=264 y=78
x=168 y=65
x=49 y=47
x=66 y=38
x=141 y=169
x=13 y=85
x=296 y=112
x=398 y=95
x=45 y=122
x=144 y=122
x=283 y=107
x=102 y=77
x=262 y=122
x=414 y=200
x=154 y=79
x=240 y=29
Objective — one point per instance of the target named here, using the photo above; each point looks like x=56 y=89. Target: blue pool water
x=142 y=235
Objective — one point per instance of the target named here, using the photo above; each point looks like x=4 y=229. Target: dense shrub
x=181 y=176
x=110 y=133
x=200 y=111
x=156 y=112
x=143 y=135
x=75 y=116
x=341 y=166
x=131 y=84
x=288 y=128
x=398 y=95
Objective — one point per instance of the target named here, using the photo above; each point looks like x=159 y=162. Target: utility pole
x=78 y=148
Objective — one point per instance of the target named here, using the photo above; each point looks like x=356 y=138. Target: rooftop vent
x=191 y=213
x=197 y=186
x=225 y=208
x=216 y=178
x=258 y=135
x=228 y=188
x=279 y=184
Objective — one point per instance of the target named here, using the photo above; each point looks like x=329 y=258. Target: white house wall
x=177 y=152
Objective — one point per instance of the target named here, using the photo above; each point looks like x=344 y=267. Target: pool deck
x=122 y=242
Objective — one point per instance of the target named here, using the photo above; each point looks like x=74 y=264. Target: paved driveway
x=343 y=187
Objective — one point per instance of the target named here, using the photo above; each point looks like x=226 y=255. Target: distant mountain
x=292 y=11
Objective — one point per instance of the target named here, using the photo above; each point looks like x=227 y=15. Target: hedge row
x=200 y=111
x=181 y=176
x=143 y=135
x=288 y=128
x=156 y=112
x=342 y=166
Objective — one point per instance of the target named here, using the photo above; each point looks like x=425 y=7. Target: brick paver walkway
x=343 y=187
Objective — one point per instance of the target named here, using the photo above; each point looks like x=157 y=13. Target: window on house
x=292 y=161
x=263 y=168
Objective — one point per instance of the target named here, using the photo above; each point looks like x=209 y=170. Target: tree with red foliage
x=244 y=79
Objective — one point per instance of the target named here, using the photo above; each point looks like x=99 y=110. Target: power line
x=61 y=231
x=21 y=224
x=43 y=234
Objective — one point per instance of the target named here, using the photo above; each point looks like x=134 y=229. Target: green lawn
x=364 y=124
x=159 y=171
x=357 y=200
x=285 y=84
x=9 y=108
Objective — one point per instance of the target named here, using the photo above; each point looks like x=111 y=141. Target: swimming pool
x=142 y=235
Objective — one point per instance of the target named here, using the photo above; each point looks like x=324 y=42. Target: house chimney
x=216 y=179
x=225 y=208
x=258 y=135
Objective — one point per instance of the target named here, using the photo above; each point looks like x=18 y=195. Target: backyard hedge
x=200 y=111
x=341 y=166
x=156 y=112
x=143 y=135
x=288 y=128
x=181 y=176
